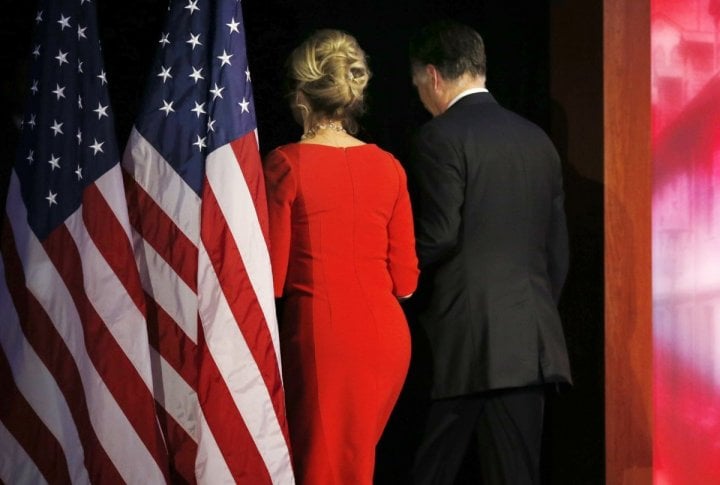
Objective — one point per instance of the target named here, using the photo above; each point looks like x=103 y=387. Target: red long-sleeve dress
x=342 y=250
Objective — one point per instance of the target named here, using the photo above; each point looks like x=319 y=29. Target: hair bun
x=330 y=70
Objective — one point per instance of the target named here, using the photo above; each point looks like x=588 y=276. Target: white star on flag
x=101 y=110
x=200 y=143
x=225 y=58
x=61 y=57
x=54 y=161
x=233 y=26
x=244 y=106
x=194 y=40
x=196 y=74
x=51 y=198
x=97 y=146
x=199 y=109
x=217 y=91
x=59 y=92
x=165 y=73
x=192 y=6
x=57 y=128
x=64 y=22
x=167 y=107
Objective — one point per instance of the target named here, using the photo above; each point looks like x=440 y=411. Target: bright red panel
x=686 y=240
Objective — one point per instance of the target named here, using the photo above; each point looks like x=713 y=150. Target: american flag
x=199 y=220
x=77 y=389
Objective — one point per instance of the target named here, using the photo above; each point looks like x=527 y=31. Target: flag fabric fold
x=198 y=214
x=75 y=363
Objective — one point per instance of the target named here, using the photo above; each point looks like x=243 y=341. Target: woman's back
x=342 y=250
x=345 y=198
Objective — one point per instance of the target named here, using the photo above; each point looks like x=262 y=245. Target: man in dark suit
x=492 y=241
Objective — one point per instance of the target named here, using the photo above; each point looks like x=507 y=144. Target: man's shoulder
x=494 y=115
x=458 y=118
x=435 y=131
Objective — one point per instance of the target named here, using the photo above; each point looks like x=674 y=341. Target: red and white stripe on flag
x=74 y=363
x=76 y=382
x=197 y=208
x=205 y=269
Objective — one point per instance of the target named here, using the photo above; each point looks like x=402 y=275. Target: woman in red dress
x=343 y=253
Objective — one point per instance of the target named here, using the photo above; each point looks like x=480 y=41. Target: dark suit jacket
x=492 y=240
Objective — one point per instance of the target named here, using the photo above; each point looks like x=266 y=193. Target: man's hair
x=453 y=48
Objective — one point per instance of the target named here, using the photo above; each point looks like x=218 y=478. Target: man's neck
x=463 y=83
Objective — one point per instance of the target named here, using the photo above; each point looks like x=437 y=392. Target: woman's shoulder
x=372 y=150
x=388 y=157
x=280 y=161
x=285 y=150
x=283 y=154
x=384 y=162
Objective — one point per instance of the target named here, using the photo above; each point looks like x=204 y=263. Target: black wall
x=516 y=40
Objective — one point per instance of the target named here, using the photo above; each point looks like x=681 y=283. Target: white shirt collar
x=465 y=93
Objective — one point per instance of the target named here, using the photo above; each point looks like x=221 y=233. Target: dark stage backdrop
x=516 y=34
x=517 y=37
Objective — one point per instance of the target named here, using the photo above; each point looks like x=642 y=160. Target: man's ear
x=433 y=75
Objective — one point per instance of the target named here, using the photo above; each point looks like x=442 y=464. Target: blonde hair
x=328 y=75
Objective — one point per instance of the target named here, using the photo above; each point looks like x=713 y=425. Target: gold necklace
x=330 y=125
